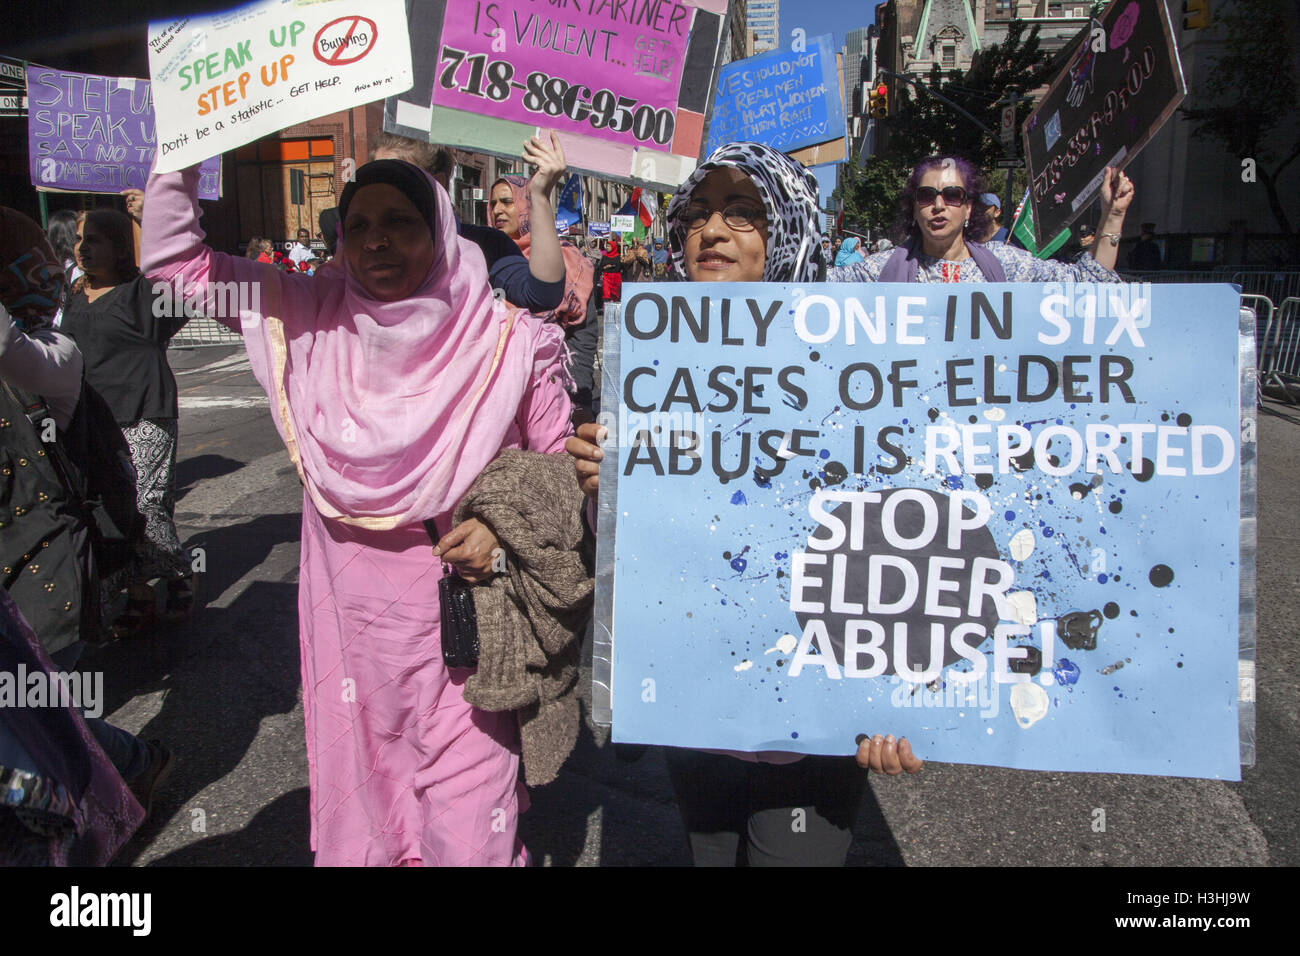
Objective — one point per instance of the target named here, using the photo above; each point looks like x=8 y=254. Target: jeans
x=127 y=752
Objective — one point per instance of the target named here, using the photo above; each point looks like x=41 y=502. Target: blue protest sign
x=785 y=99
x=999 y=520
x=569 y=210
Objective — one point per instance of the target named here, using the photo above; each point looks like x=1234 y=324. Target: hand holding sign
x=885 y=755
x=585 y=449
x=1116 y=194
x=135 y=204
x=550 y=163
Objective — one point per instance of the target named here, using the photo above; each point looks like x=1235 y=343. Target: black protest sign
x=1121 y=84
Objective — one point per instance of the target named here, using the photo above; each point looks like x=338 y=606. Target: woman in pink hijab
x=393 y=381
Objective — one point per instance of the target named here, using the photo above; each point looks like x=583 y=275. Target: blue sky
x=819 y=17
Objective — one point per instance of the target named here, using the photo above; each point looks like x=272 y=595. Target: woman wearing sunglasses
x=749 y=214
x=940 y=219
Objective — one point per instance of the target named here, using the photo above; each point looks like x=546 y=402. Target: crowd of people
x=433 y=383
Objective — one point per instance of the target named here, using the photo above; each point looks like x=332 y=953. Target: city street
x=223 y=693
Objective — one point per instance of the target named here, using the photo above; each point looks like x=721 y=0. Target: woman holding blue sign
x=941 y=222
x=750 y=214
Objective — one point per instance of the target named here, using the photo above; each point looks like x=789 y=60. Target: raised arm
x=511 y=272
x=172 y=246
x=545 y=260
x=1116 y=195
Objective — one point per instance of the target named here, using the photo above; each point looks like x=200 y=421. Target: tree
x=1251 y=90
x=921 y=125
x=870 y=193
x=926 y=125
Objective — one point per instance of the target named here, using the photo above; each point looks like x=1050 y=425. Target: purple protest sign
x=594 y=67
x=95 y=134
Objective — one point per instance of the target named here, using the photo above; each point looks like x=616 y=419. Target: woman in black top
x=123 y=340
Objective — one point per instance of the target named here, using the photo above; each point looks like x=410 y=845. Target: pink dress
x=402 y=769
x=389 y=411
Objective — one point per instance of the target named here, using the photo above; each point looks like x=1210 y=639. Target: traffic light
x=1196 y=14
x=879 y=102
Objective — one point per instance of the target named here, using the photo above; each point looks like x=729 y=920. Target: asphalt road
x=224 y=693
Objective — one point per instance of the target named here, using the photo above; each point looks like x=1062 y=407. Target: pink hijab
x=391 y=409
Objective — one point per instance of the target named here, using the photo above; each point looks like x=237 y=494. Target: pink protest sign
x=612 y=69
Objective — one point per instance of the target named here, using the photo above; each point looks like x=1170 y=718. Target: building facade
x=764 y=18
x=741 y=42
x=860 y=63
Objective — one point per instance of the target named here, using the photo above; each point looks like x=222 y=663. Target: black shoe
x=148 y=780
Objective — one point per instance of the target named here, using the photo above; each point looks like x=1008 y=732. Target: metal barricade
x=1279 y=361
x=1166 y=277
x=1260 y=309
x=203 y=332
x=1274 y=283
x=1277 y=284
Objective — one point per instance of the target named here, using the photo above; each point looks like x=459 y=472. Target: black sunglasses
x=952 y=195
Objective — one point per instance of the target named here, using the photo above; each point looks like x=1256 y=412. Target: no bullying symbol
x=344 y=40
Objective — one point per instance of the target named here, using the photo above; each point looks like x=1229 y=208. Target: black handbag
x=459 y=619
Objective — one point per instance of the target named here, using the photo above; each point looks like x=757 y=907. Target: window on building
x=283 y=185
x=949 y=55
x=468 y=182
x=1002 y=8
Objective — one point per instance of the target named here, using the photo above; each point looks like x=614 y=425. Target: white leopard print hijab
x=794 y=236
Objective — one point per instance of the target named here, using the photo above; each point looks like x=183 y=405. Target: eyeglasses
x=739 y=216
x=952 y=195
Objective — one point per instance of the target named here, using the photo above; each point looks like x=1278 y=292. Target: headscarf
x=391 y=409
x=611 y=282
x=406 y=178
x=789 y=194
x=32 y=280
x=578 y=270
x=848 y=252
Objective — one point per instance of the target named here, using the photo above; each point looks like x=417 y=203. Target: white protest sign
x=619 y=223
x=226 y=79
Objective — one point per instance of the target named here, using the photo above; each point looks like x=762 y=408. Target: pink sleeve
x=171 y=248
x=544 y=414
